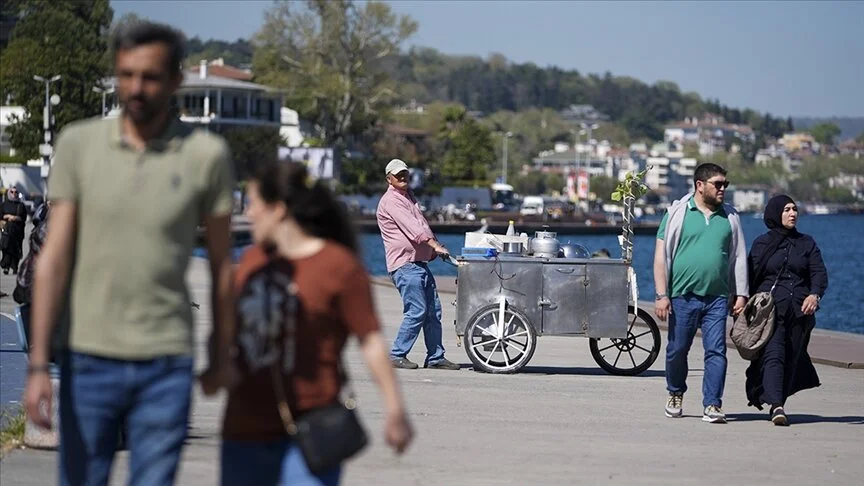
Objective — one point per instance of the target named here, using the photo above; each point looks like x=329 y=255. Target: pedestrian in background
x=127 y=196
x=789 y=264
x=700 y=274
x=301 y=291
x=13 y=214
x=409 y=246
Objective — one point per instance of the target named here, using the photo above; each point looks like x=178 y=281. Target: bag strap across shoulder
x=783 y=268
x=282 y=399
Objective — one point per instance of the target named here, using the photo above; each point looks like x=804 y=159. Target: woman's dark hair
x=311 y=204
x=139 y=33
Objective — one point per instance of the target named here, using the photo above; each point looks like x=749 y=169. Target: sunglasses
x=718 y=184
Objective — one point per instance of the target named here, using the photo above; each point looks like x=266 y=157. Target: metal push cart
x=505 y=302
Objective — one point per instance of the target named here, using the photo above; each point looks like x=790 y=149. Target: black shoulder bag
x=754 y=326
x=327 y=435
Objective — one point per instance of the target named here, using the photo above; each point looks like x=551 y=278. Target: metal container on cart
x=504 y=303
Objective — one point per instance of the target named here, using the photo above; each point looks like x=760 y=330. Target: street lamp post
x=506 y=139
x=104 y=92
x=47 y=149
x=589 y=128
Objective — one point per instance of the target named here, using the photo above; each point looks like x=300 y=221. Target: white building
x=748 y=198
x=671 y=172
x=7 y=116
x=220 y=102
x=853 y=182
x=290 y=129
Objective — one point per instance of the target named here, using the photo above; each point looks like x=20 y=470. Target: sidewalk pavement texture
x=561 y=421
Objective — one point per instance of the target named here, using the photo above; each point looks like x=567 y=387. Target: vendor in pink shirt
x=409 y=245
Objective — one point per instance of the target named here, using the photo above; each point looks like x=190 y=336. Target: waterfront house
x=748 y=197
x=219 y=102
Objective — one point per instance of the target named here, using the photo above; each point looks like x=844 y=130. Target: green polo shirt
x=137 y=217
x=701 y=262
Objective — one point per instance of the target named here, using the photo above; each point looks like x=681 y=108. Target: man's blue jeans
x=421 y=309
x=270 y=464
x=99 y=395
x=689 y=313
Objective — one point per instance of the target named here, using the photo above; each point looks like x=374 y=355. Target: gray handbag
x=754 y=325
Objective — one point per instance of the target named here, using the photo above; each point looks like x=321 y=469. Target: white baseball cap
x=395 y=166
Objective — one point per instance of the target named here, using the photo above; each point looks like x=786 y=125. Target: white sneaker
x=674 y=405
x=713 y=414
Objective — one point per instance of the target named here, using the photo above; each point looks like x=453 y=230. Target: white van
x=532 y=205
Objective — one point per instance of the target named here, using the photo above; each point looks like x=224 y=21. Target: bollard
x=38 y=438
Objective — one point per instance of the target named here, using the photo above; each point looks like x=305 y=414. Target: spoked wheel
x=506 y=351
x=633 y=354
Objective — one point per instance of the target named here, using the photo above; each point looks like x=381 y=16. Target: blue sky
x=789 y=58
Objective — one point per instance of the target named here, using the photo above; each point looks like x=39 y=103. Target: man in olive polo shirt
x=127 y=196
x=700 y=271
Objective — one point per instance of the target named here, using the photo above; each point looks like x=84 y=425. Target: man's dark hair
x=141 y=33
x=706 y=171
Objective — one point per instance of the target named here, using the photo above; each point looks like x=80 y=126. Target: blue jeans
x=421 y=309
x=690 y=312
x=270 y=464
x=99 y=395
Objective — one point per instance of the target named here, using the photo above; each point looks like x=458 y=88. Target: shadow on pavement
x=795 y=418
x=571 y=370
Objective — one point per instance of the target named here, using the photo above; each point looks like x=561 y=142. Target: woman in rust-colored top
x=304 y=242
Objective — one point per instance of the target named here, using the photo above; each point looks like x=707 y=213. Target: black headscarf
x=777 y=233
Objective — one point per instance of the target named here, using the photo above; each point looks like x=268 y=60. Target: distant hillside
x=851 y=126
x=495 y=84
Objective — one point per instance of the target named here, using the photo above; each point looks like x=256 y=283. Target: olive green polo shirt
x=701 y=262
x=137 y=217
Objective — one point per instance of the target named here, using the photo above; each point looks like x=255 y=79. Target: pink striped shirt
x=404 y=229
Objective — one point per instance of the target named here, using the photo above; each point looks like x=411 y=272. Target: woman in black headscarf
x=13 y=213
x=791 y=263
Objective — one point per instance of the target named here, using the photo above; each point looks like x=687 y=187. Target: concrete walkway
x=562 y=421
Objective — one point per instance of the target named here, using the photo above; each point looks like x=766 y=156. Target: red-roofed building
x=217 y=67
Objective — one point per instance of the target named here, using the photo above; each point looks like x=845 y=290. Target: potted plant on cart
x=608 y=352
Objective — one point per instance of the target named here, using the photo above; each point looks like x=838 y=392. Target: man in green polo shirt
x=127 y=197
x=700 y=271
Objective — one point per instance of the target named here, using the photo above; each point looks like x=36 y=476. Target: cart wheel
x=505 y=355
x=640 y=348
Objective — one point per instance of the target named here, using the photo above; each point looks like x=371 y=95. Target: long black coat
x=16 y=230
x=805 y=274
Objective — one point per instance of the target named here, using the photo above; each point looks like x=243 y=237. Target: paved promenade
x=562 y=421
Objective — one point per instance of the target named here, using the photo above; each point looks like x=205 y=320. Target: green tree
x=469 y=151
x=363 y=176
x=530 y=184
x=839 y=195
x=251 y=147
x=860 y=138
x=825 y=133
x=603 y=186
x=327 y=56
x=54 y=38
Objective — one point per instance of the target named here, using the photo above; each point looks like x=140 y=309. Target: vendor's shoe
x=443 y=364
x=778 y=416
x=714 y=415
x=403 y=363
x=674 y=405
